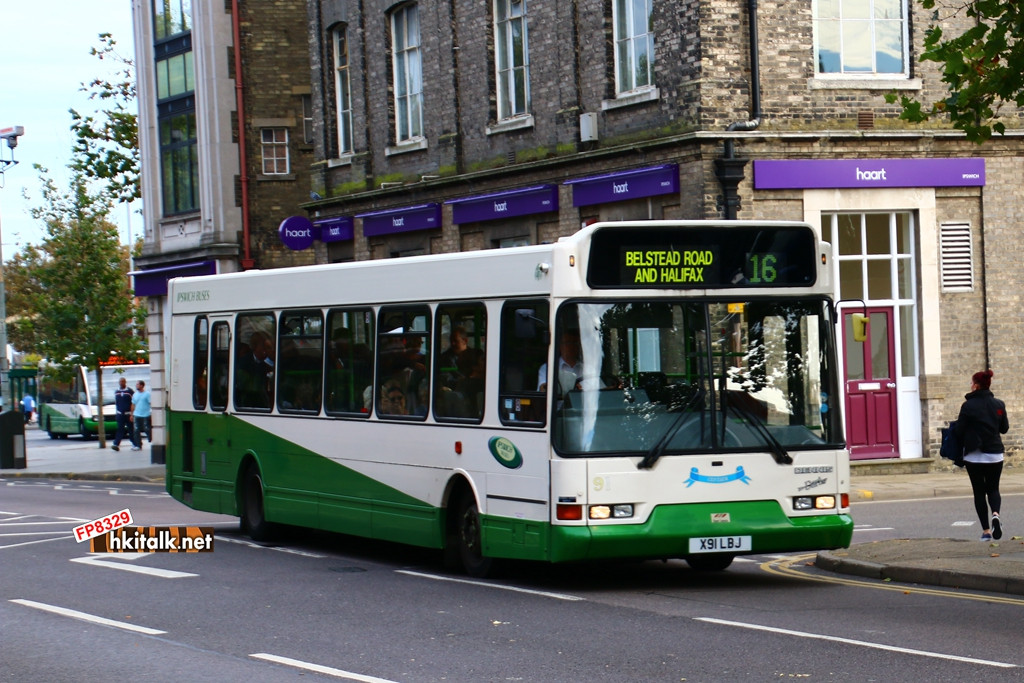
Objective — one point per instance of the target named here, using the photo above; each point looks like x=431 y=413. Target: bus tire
x=467 y=540
x=49 y=429
x=714 y=562
x=253 y=521
x=83 y=431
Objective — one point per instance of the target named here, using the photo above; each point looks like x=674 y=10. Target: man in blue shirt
x=141 y=415
x=123 y=408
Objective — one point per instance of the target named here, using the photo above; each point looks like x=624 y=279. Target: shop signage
x=786 y=174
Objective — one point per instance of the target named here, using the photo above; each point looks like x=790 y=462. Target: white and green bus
x=68 y=401
x=657 y=389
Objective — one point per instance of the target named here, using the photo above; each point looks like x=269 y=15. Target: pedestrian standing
x=141 y=416
x=982 y=419
x=123 y=409
x=28 y=406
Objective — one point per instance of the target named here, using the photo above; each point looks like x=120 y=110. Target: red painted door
x=870 y=377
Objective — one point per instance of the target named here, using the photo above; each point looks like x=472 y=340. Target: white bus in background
x=703 y=421
x=69 y=404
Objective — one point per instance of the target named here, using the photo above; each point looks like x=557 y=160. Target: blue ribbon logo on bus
x=738 y=475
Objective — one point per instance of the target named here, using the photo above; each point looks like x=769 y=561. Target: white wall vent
x=956 y=257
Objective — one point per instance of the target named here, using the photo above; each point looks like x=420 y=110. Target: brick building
x=465 y=125
x=458 y=125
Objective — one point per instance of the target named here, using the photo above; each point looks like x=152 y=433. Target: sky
x=44 y=60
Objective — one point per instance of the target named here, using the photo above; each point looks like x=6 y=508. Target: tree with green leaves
x=84 y=309
x=981 y=67
x=106 y=147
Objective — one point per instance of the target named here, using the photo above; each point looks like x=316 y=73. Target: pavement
x=995 y=566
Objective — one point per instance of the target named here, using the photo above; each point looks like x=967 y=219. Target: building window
x=307 y=119
x=408 y=73
x=512 y=58
x=171 y=17
x=343 y=92
x=861 y=37
x=634 y=45
x=876 y=265
x=179 y=163
x=176 y=119
x=274 y=145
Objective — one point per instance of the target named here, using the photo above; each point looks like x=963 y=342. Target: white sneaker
x=136 y=448
x=997 y=528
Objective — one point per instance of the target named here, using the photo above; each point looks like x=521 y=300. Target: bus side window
x=254 y=361
x=525 y=336
x=219 y=358
x=300 y=362
x=403 y=372
x=348 y=375
x=460 y=366
x=200 y=360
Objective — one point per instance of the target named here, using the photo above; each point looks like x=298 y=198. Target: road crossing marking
x=110 y=563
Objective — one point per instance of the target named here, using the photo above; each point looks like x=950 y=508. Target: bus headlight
x=621 y=511
x=814 y=503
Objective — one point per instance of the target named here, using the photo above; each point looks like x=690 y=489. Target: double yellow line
x=786 y=567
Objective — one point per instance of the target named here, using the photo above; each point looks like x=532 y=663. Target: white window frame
x=407 y=68
x=274 y=150
x=628 y=38
x=510 y=15
x=868 y=27
x=342 y=90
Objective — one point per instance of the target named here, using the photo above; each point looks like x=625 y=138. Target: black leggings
x=985 y=483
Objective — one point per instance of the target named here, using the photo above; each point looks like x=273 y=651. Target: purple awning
x=617 y=187
x=407 y=219
x=786 y=174
x=506 y=204
x=153 y=282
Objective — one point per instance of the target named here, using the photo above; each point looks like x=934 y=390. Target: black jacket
x=982 y=419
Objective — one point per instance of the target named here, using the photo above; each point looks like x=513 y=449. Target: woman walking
x=982 y=419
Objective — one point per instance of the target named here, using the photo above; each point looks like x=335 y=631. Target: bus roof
x=536 y=270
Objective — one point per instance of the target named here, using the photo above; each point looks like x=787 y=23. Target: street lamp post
x=11 y=135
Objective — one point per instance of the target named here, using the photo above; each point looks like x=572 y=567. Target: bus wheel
x=468 y=539
x=715 y=562
x=252 y=520
x=82 y=430
x=49 y=429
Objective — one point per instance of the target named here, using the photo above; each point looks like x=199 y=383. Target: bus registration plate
x=721 y=544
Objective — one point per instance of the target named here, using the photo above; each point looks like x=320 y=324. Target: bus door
x=870 y=377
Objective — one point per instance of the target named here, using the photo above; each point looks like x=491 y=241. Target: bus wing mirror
x=860 y=327
x=526 y=323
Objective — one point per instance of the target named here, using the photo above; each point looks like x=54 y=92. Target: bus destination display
x=707 y=257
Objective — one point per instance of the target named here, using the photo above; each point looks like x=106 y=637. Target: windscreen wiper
x=777 y=449
x=658 y=449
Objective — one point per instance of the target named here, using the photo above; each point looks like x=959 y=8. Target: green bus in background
x=68 y=405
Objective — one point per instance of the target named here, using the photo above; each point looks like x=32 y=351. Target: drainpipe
x=729 y=169
x=247 y=261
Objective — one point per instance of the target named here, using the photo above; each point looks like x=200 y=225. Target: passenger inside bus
x=254 y=386
x=570 y=363
x=392 y=400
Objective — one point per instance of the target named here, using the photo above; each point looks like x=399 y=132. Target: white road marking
x=317 y=668
x=250 y=544
x=861 y=643
x=109 y=561
x=516 y=589
x=75 y=614
x=45 y=540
